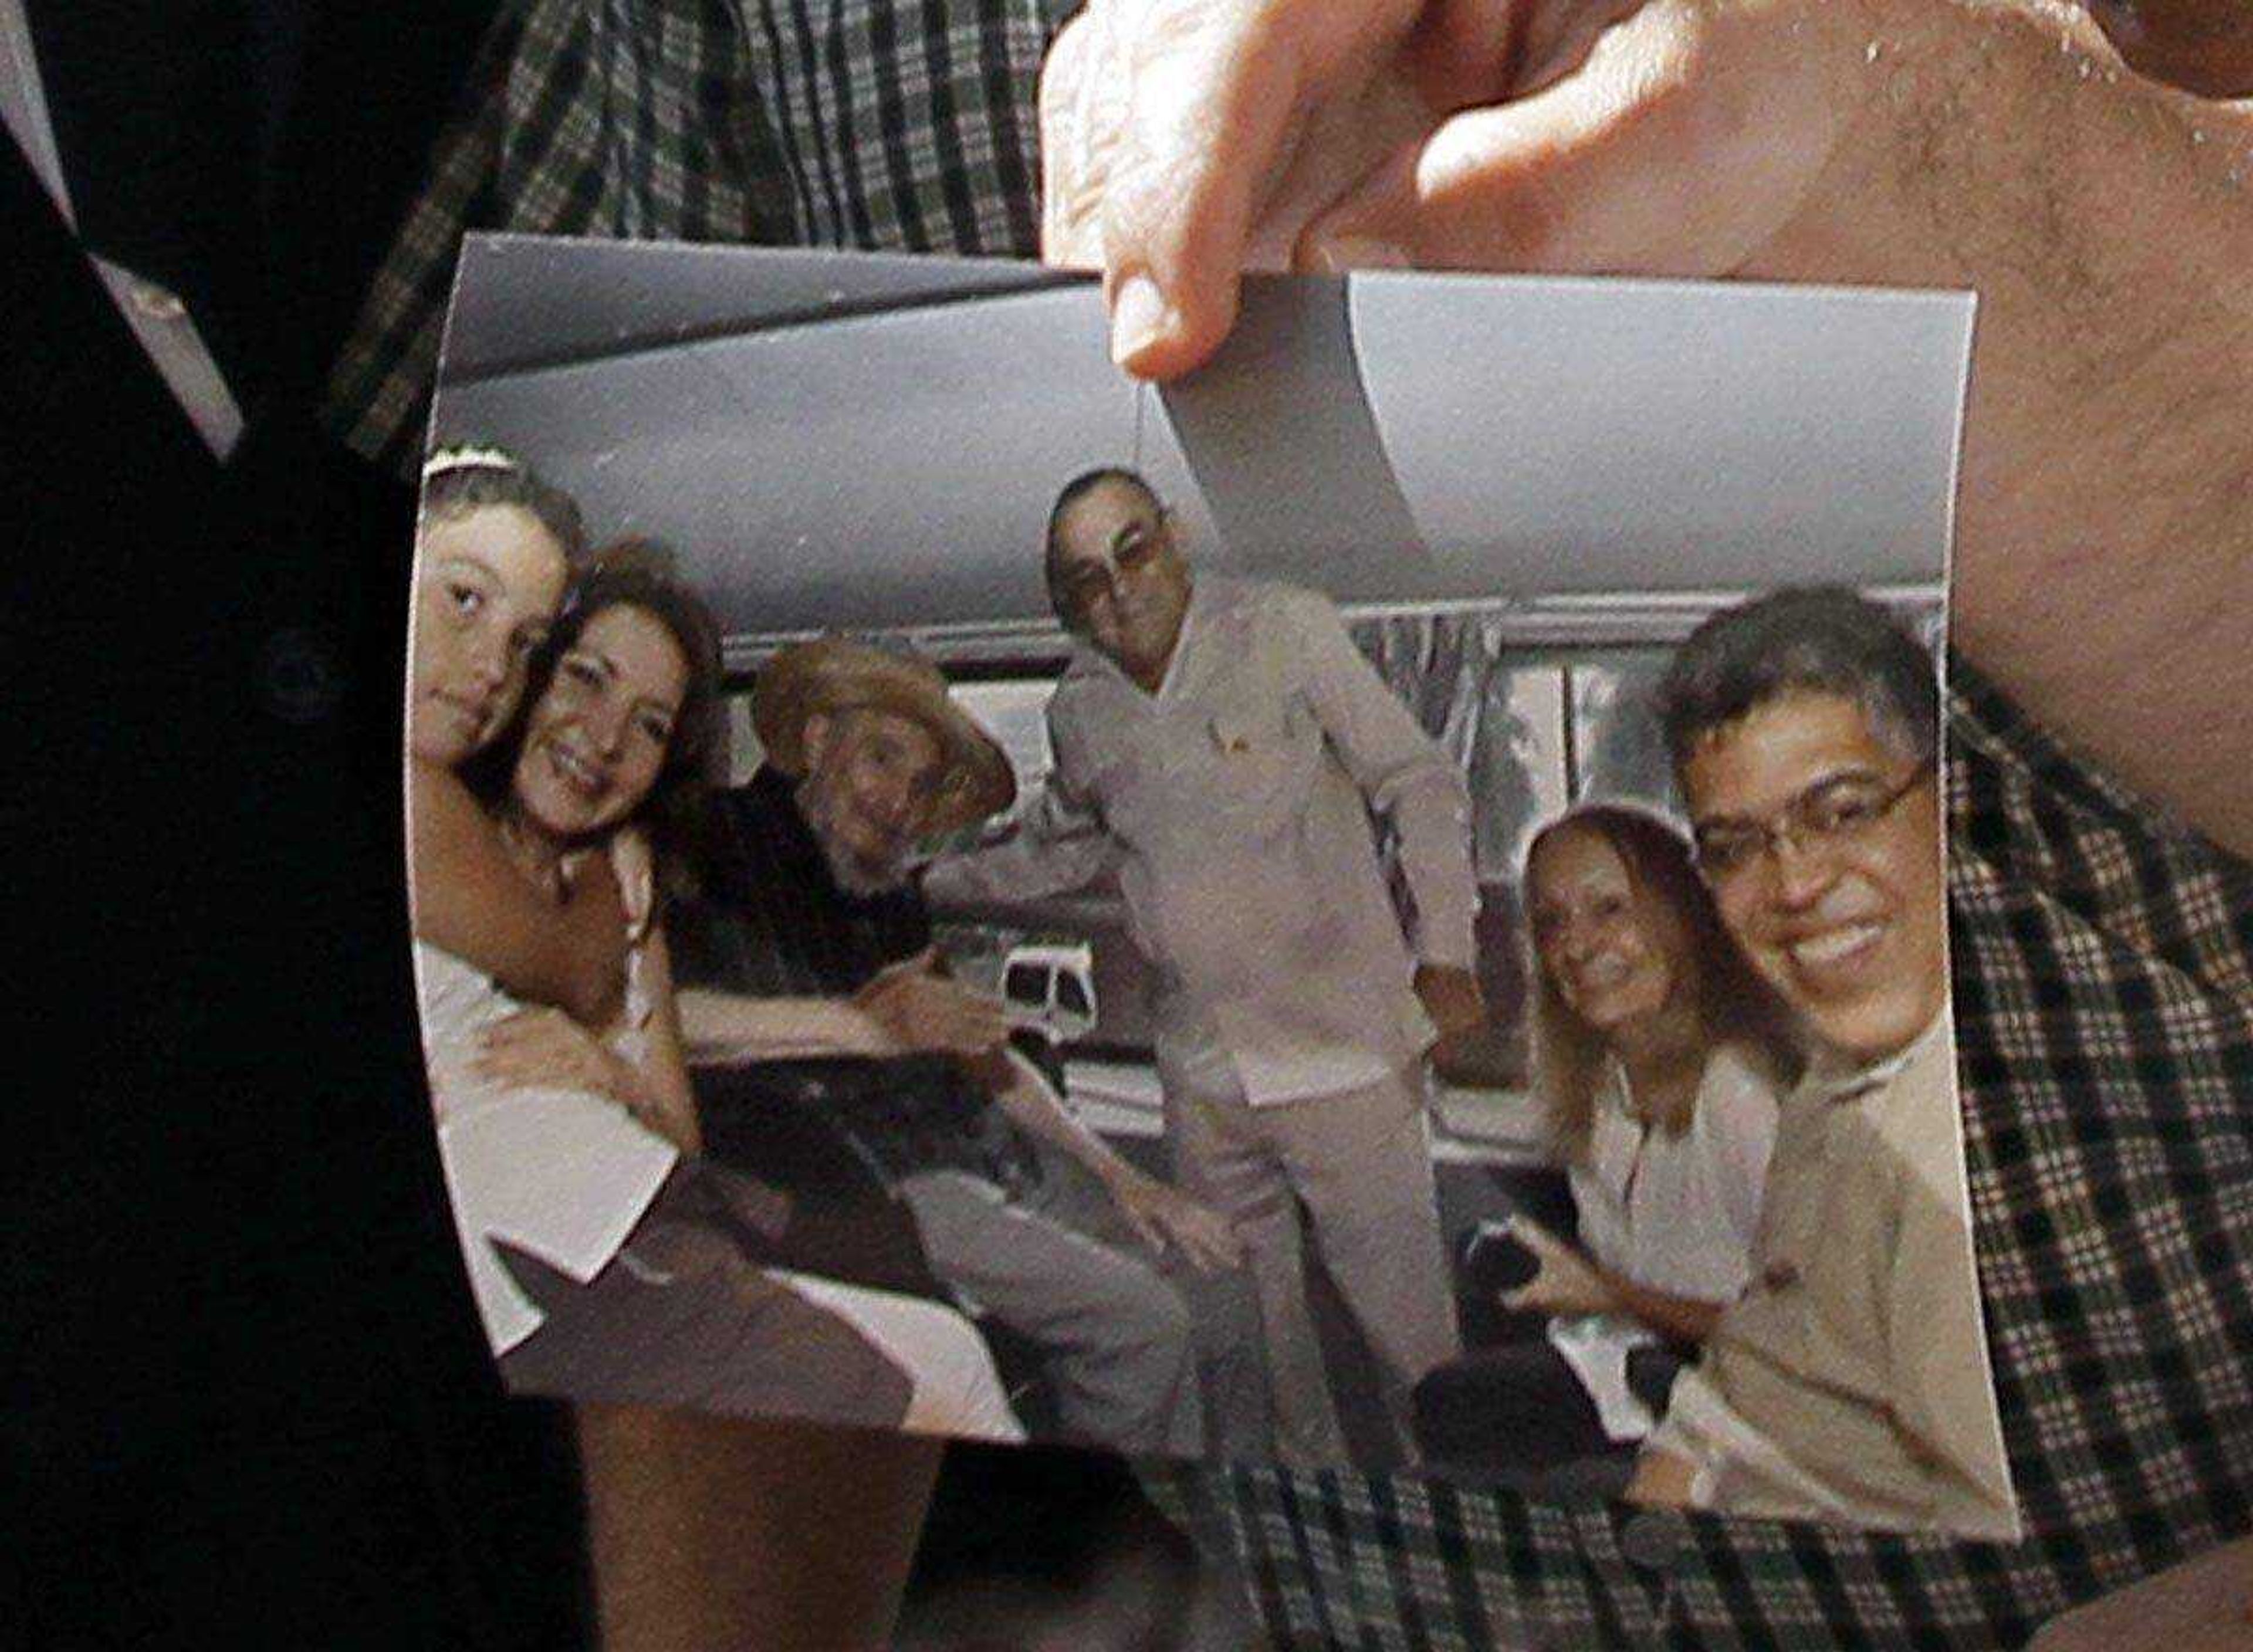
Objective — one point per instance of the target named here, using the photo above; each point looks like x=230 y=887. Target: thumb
x=1618 y=166
x=1216 y=101
x=1543 y=185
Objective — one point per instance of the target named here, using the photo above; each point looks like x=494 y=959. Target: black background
x=247 y=1399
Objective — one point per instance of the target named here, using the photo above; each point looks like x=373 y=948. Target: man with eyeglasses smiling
x=1850 y=1383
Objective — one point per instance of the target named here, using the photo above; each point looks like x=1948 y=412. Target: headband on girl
x=469 y=459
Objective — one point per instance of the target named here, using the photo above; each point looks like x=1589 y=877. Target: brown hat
x=836 y=673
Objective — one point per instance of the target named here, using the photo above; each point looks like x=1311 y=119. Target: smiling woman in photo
x=1659 y=1061
x=609 y=1261
x=590 y=792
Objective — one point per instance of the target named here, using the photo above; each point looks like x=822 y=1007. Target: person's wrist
x=859 y=1029
x=1968 y=102
x=1120 y=1179
x=1610 y=1299
x=882 y=1015
x=1928 y=111
x=2099 y=216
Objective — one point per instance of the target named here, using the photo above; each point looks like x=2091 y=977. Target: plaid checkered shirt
x=2104 y=956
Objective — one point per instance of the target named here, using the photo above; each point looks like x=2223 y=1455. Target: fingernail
x=1140 y=316
x=1335 y=255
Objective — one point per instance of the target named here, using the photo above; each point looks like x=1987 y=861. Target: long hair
x=1733 y=1007
x=633 y=574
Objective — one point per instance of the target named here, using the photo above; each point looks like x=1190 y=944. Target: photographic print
x=1381 y=905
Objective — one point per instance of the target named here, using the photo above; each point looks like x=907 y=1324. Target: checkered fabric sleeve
x=785 y=122
x=2103 y=986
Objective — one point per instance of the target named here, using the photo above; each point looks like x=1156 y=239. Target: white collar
x=1836 y=1078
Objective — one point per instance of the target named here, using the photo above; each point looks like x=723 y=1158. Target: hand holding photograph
x=1380 y=905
